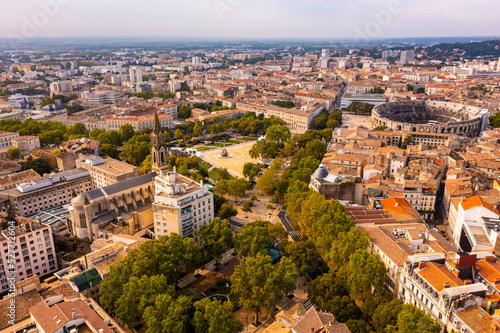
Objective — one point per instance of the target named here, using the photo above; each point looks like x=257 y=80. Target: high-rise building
x=407 y=56
x=197 y=60
x=180 y=205
x=390 y=54
x=36 y=251
x=325 y=53
x=135 y=75
x=60 y=87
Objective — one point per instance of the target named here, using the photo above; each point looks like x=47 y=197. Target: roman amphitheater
x=428 y=116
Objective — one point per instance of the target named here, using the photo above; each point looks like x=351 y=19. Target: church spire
x=156 y=126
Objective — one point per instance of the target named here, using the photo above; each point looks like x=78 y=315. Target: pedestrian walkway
x=185 y=281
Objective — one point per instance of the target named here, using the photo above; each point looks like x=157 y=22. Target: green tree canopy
x=227 y=211
x=413 y=320
x=256 y=236
x=13 y=152
x=168 y=315
x=137 y=148
x=387 y=314
x=215 y=237
x=41 y=166
x=126 y=132
x=262 y=285
x=138 y=294
x=303 y=255
x=214 y=317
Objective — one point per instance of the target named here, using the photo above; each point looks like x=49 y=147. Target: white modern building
x=135 y=74
x=181 y=205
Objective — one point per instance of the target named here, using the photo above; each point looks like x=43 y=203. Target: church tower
x=159 y=150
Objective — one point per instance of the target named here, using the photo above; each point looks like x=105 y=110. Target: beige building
x=295 y=119
x=139 y=123
x=6 y=139
x=181 y=205
x=105 y=171
x=168 y=109
x=34 y=251
x=47 y=192
x=26 y=144
x=124 y=207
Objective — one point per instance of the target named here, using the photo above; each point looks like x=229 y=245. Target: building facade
x=47 y=192
x=106 y=171
x=34 y=251
x=26 y=144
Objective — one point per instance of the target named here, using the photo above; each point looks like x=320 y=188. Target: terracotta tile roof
x=45 y=316
x=57 y=288
x=315 y=321
x=489 y=270
x=24 y=303
x=437 y=275
x=477 y=201
x=400 y=209
x=396 y=250
x=16 y=178
x=478 y=319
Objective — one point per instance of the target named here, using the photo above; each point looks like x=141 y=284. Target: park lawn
x=214 y=174
x=203 y=167
x=204 y=148
x=219 y=144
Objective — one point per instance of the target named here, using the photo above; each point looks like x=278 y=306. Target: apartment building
x=26 y=144
x=139 y=123
x=440 y=283
x=168 y=109
x=475 y=228
x=217 y=115
x=59 y=87
x=34 y=248
x=181 y=205
x=47 y=192
x=135 y=74
x=6 y=139
x=103 y=97
x=106 y=171
x=395 y=242
x=362 y=87
x=295 y=119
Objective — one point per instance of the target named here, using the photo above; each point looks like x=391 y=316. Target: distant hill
x=490 y=48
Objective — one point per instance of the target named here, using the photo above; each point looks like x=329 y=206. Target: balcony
x=187 y=232
x=188 y=225
x=185 y=202
x=187 y=218
x=186 y=211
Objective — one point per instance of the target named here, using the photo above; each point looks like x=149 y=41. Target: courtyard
x=235 y=164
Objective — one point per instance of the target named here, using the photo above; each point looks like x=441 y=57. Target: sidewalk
x=203 y=271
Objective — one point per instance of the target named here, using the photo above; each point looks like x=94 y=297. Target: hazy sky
x=250 y=18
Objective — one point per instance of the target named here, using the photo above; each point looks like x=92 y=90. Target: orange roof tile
x=437 y=275
x=477 y=201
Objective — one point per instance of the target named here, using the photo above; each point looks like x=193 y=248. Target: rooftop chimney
x=421 y=264
x=467 y=282
x=497 y=281
x=447 y=285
